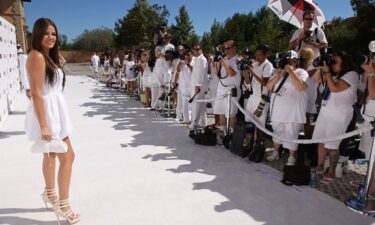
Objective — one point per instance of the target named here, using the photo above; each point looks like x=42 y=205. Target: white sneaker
x=274 y=156
x=291 y=161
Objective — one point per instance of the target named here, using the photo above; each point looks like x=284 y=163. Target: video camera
x=282 y=59
x=247 y=60
x=219 y=54
x=326 y=57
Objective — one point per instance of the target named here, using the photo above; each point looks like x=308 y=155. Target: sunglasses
x=228 y=48
x=309 y=19
x=197 y=49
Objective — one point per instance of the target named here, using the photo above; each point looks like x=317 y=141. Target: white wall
x=9 y=74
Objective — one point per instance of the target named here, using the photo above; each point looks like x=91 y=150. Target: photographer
x=288 y=104
x=177 y=97
x=183 y=77
x=159 y=35
x=158 y=78
x=255 y=80
x=312 y=92
x=229 y=79
x=213 y=82
x=146 y=73
x=307 y=38
x=199 y=82
x=340 y=94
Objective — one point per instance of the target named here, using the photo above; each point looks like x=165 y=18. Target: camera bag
x=296 y=175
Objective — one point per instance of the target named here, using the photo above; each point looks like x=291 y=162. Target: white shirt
x=320 y=36
x=95 y=60
x=213 y=80
x=184 y=80
x=199 y=74
x=22 y=58
x=343 y=101
x=160 y=72
x=116 y=61
x=230 y=81
x=130 y=73
x=289 y=104
x=264 y=70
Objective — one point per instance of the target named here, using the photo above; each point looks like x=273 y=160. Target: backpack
x=296 y=175
x=239 y=134
x=257 y=153
x=203 y=136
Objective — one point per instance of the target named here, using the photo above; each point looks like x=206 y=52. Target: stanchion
x=366 y=206
x=229 y=101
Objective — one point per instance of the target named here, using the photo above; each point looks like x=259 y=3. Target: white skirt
x=331 y=124
x=57 y=116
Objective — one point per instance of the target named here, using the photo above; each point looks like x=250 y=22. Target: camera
x=366 y=59
x=247 y=60
x=219 y=54
x=324 y=57
x=308 y=36
x=282 y=59
x=171 y=54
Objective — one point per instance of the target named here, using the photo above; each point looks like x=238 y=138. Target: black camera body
x=325 y=56
x=219 y=55
x=246 y=62
x=282 y=59
x=308 y=36
x=171 y=54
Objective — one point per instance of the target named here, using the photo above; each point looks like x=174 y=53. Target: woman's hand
x=46 y=134
x=368 y=68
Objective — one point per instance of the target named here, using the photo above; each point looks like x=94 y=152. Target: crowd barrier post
x=229 y=101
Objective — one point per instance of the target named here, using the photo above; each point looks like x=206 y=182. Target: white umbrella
x=292 y=11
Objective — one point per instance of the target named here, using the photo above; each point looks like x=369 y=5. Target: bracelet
x=326 y=72
x=370 y=74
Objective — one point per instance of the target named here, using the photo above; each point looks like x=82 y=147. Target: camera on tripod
x=326 y=57
x=246 y=61
x=219 y=54
x=282 y=59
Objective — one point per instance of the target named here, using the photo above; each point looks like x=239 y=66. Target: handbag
x=55 y=145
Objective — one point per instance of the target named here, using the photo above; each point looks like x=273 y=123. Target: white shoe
x=274 y=156
x=291 y=161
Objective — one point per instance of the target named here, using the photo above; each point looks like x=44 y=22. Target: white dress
x=55 y=110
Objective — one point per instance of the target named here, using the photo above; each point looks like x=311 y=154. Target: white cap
x=293 y=54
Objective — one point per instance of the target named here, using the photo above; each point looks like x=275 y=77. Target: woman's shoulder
x=35 y=56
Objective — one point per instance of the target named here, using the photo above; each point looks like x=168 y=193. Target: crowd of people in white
x=291 y=90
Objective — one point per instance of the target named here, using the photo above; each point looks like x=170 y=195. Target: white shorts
x=221 y=106
x=329 y=125
x=289 y=131
x=252 y=105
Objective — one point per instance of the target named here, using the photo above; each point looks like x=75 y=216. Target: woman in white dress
x=130 y=75
x=47 y=115
x=339 y=96
x=146 y=73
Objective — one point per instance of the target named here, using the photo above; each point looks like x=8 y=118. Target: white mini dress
x=55 y=109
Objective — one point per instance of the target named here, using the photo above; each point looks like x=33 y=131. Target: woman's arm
x=297 y=82
x=318 y=76
x=36 y=69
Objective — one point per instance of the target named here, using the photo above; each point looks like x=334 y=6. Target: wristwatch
x=326 y=72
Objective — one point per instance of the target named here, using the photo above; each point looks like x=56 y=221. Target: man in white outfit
x=199 y=82
x=95 y=62
x=22 y=58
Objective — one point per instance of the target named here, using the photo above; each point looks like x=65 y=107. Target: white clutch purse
x=55 y=145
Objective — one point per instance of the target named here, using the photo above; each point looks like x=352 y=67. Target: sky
x=72 y=17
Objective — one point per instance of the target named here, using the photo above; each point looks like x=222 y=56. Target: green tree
x=94 y=40
x=64 y=44
x=137 y=25
x=183 y=31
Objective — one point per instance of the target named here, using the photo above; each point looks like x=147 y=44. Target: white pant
x=198 y=110
x=155 y=94
x=288 y=131
x=179 y=107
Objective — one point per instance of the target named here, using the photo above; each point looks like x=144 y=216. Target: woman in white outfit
x=338 y=98
x=130 y=75
x=158 y=78
x=288 y=106
x=146 y=73
x=47 y=115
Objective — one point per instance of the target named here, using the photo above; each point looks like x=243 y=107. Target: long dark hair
x=52 y=58
x=347 y=63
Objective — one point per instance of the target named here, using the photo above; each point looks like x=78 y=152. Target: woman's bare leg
x=65 y=170
x=49 y=170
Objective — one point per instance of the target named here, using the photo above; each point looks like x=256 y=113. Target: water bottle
x=361 y=194
x=312 y=182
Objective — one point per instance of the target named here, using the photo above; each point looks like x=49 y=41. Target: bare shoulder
x=35 y=57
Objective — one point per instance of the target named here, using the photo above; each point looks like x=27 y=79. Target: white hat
x=293 y=54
